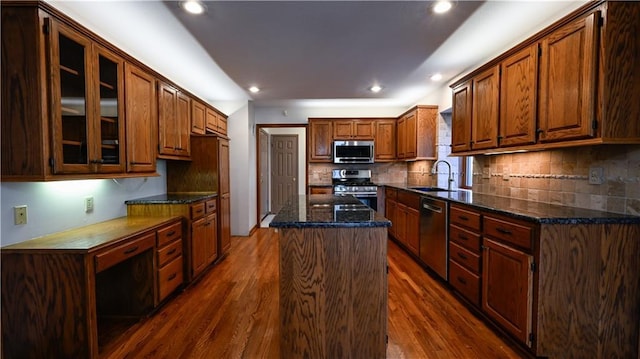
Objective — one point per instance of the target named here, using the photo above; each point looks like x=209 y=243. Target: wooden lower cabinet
x=402 y=209
x=64 y=296
x=200 y=232
x=203 y=243
x=507 y=288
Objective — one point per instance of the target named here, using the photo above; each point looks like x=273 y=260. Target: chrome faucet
x=434 y=171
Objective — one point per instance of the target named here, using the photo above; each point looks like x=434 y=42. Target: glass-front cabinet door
x=86 y=94
x=109 y=155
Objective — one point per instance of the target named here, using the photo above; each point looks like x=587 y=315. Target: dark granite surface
x=528 y=210
x=173 y=198
x=327 y=211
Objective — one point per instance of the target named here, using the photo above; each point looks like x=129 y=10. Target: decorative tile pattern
x=561 y=177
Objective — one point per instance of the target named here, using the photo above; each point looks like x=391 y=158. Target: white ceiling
x=315 y=51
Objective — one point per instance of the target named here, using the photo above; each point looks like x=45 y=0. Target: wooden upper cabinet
x=417 y=132
x=174 y=122
x=353 y=130
x=461 y=118
x=518 y=94
x=320 y=140
x=385 y=140
x=141 y=114
x=568 y=80
x=198 y=115
x=62 y=100
x=484 y=118
x=215 y=122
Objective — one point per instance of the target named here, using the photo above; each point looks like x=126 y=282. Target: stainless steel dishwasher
x=434 y=229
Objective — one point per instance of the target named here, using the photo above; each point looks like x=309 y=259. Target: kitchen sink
x=430 y=189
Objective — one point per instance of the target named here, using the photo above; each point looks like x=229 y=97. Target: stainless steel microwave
x=353 y=152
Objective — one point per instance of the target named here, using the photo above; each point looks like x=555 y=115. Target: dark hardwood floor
x=232 y=312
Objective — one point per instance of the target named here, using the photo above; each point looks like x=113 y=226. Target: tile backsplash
x=384 y=172
x=561 y=177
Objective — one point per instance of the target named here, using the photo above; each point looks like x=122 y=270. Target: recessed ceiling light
x=193 y=7
x=375 y=88
x=254 y=89
x=436 y=77
x=441 y=7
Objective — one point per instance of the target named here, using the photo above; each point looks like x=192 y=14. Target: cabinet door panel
x=401 y=144
x=507 y=283
x=167 y=112
x=568 y=80
x=183 y=125
x=70 y=55
x=141 y=119
x=363 y=129
x=461 y=118
x=199 y=236
x=411 y=141
x=484 y=121
x=413 y=230
x=198 y=114
x=391 y=214
x=342 y=130
x=518 y=95
x=321 y=140
x=385 y=140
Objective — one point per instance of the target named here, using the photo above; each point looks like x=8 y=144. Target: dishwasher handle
x=431 y=208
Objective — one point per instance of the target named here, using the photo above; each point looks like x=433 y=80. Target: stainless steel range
x=356 y=183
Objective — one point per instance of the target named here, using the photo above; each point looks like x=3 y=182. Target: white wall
x=241 y=130
x=59 y=205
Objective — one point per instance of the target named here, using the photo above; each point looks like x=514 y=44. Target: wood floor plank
x=232 y=312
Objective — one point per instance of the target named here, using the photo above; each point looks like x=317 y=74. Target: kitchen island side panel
x=333 y=292
x=589 y=290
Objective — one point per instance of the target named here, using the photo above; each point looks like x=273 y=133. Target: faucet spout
x=450 y=173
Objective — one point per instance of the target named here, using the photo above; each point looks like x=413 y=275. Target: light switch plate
x=596 y=175
x=20 y=215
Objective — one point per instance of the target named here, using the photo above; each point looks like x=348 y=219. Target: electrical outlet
x=20 y=214
x=596 y=175
x=88 y=204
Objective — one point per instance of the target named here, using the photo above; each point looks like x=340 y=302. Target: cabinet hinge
x=533 y=266
x=386 y=338
x=600 y=21
x=52 y=162
x=387 y=269
x=531 y=337
x=539 y=51
x=594 y=124
x=46 y=27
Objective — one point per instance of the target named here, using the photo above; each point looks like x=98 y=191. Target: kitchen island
x=333 y=278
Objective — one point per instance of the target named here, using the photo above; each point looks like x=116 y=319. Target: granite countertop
x=327 y=211
x=528 y=210
x=173 y=198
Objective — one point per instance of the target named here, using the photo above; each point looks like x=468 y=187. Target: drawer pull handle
x=199 y=210
x=169 y=234
x=172 y=277
x=464 y=218
x=461 y=280
x=462 y=256
x=131 y=250
x=504 y=231
x=463 y=237
x=172 y=251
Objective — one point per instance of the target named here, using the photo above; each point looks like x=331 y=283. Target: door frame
x=306 y=160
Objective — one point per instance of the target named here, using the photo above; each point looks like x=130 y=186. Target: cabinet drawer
x=464 y=217
x=169 y=252
x=390 y=193
x=211 y=206
x=410 y=199
x=465 y=257
x=197 y=210
x=465 y=238
x=320 y=190
x=519 y=234
x=465 y=282
x=124 y=251
x=169 y=234
x=169 y=278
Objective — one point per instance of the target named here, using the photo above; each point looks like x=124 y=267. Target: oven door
x=369 y=199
